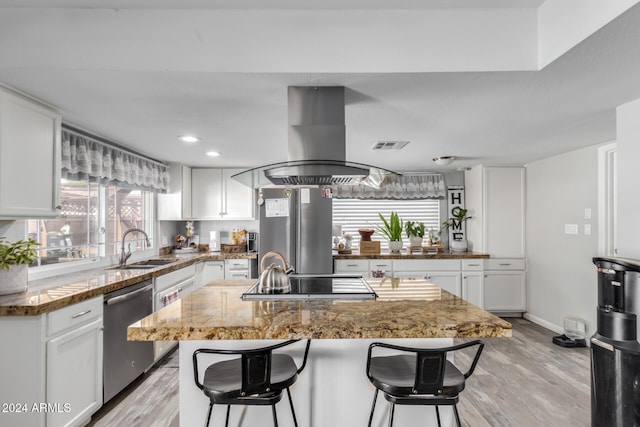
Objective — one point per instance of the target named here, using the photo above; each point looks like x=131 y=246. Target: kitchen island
x=333 y=388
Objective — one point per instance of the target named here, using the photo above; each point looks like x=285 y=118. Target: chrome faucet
x=125 y=256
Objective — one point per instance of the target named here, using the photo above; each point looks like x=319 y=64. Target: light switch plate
x=571 y=229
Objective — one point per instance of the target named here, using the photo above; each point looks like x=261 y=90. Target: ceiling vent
x=389 y=145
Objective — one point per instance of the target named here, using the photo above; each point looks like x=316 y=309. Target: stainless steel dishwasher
x=125 y=360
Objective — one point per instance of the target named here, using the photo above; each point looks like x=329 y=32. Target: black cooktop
x=318 y=286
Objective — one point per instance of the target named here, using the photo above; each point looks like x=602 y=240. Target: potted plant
x=14 y=260
x=392 y=230
x=415 y=232
x=458 y=216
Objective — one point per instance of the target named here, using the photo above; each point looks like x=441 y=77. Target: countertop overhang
x=413 y=255
x=406 y=308
x=46 y=295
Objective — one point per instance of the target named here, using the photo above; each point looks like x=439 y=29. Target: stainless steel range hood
x=316 y=145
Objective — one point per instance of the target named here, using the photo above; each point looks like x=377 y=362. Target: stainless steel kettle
x=274 y=279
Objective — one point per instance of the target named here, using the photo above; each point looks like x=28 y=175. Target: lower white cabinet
x=74 y=375
x=504 y=285
x=504 y=291
x=494 y=284
x=236 y=269
x=473 y=287
x=208 y=271
x=51 y=368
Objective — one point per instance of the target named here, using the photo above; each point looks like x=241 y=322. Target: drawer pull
x=474 y=265
x=505 y=264
x=382 y=265
x=352 y=265
x=82 y=313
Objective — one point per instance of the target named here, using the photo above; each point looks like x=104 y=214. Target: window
x=91 y=223
x=353 y=214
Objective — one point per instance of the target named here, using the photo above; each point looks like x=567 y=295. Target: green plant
x=20 y=252
x=413 y=228
x=391 y=229
x=458 y=216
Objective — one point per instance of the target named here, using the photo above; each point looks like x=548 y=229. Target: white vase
x=458 y=245
x=395 y=247
x=415 y=241
x=13 y=280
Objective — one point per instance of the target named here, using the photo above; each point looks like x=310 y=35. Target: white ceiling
x=141 y=77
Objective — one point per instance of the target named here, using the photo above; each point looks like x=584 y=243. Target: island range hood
x=316 y=145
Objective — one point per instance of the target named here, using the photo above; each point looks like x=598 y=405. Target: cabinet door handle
x=82 y=313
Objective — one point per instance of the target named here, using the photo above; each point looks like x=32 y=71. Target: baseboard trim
x=538 y=321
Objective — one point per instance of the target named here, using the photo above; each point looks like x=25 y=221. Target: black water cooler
x=615 y=350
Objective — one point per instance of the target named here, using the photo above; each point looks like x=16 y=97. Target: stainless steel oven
x=125 y=360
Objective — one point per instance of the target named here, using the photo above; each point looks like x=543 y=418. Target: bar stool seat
x=257 y=377
x=418 y=376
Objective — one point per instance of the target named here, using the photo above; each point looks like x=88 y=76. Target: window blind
x=353 y=214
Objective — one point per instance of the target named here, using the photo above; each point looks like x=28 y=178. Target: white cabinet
x=352 y=266
x=208 y=271
x=496 y=198
x=473 y=287
x=175 y=205
x=215 y=195
x=236 y=269
x=504 y=285
x=74 y=375
x=473 y=281
x=29 y=158
x=442 y=272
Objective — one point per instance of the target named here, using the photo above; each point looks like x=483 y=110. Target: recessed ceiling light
x=188 y=138
x=213 y=153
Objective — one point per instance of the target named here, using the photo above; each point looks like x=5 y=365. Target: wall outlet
x=587 y=229
x=571 y=229
x=164 y=240
x=587 y=213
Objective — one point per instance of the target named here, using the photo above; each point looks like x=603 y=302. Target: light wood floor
x=521 y=381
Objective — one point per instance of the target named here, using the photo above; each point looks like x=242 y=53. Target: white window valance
x=87 y=158
x=406 y=186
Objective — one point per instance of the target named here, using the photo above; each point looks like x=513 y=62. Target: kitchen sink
x=146 y=265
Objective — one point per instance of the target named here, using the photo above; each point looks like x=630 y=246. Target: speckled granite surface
x=406 y=308
x=46 y=295
x=403 y=255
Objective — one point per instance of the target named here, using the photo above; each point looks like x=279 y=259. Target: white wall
x=628 y=137
x=561 y=279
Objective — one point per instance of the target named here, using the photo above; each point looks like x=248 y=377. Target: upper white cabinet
x=176 y=203
x=29 y=158
x=215 y=195
x=496 y=197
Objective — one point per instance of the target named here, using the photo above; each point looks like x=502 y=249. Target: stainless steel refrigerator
x=297 y=223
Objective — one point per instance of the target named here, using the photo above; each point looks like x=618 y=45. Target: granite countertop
x=405 y=255
x=405 y=308
x=46 y=295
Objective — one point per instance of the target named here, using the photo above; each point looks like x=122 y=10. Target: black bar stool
x=418 y=376
x=257 y=377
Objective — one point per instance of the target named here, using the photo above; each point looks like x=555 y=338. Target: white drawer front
x=505 y=264
x=74 y=315
x=175 y=277
x=473 y=264
x=236 y=264
x=351 y=265
x=380 y=264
